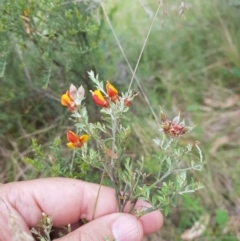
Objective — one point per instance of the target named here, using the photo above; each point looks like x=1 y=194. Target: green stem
x=133 y=205
x=162 y=178
x=114 y=129
x=72 y=161
x=116 y=180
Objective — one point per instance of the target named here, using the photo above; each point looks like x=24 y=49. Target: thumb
x=112 y=227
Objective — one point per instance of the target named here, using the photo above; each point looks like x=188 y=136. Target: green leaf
x=166 y=210
x=221 y=216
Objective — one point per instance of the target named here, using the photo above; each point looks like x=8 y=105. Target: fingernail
x=126 y=228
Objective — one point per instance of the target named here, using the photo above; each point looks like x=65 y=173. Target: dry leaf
x=232 y=226
x=226 y=103
x=219 y=142
x=26 y=24
x=197 y=229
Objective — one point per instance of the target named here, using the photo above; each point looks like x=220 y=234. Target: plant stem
x=114 y=175
x=114 y=129
x=162 y=178
x=72 y=161
x=95 y=204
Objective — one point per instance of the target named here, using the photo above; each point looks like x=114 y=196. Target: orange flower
x=66 y=100
x=99 y=99
x=112 y=92
x=76 y=141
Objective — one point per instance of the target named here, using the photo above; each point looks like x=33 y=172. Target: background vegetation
x=189 y=65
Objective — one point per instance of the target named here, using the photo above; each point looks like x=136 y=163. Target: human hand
x=69 y=201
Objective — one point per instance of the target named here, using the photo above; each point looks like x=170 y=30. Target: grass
x=189 y=65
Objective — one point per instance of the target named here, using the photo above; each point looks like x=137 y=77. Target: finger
x=117 y=226
x=152 y=221
x=66 y=200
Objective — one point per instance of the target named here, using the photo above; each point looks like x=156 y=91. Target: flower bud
x=163 y=117
x=127 y=102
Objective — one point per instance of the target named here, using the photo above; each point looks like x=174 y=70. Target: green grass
x=189 y=65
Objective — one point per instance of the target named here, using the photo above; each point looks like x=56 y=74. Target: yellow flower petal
x=71 y=145
x=84 y=138
x=99 y=95
x=65 y=100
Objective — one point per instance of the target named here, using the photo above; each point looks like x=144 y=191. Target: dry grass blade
x=126 y=59
x=197 y=229
x=233 y=225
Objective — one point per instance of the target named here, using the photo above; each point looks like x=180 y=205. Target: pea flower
x=66 y=100
x=99 y=99
x=73 y=97
x=173 y=128
x=76 y=141
x=111 y=95
x=112 y=92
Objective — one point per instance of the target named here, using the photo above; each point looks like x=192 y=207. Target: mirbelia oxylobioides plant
x=111 y=138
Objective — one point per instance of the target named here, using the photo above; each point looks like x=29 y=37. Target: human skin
x=69 y=201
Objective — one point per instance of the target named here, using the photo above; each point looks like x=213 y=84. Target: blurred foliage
x=48 y=44
x=45 y=46
x=52 y=163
